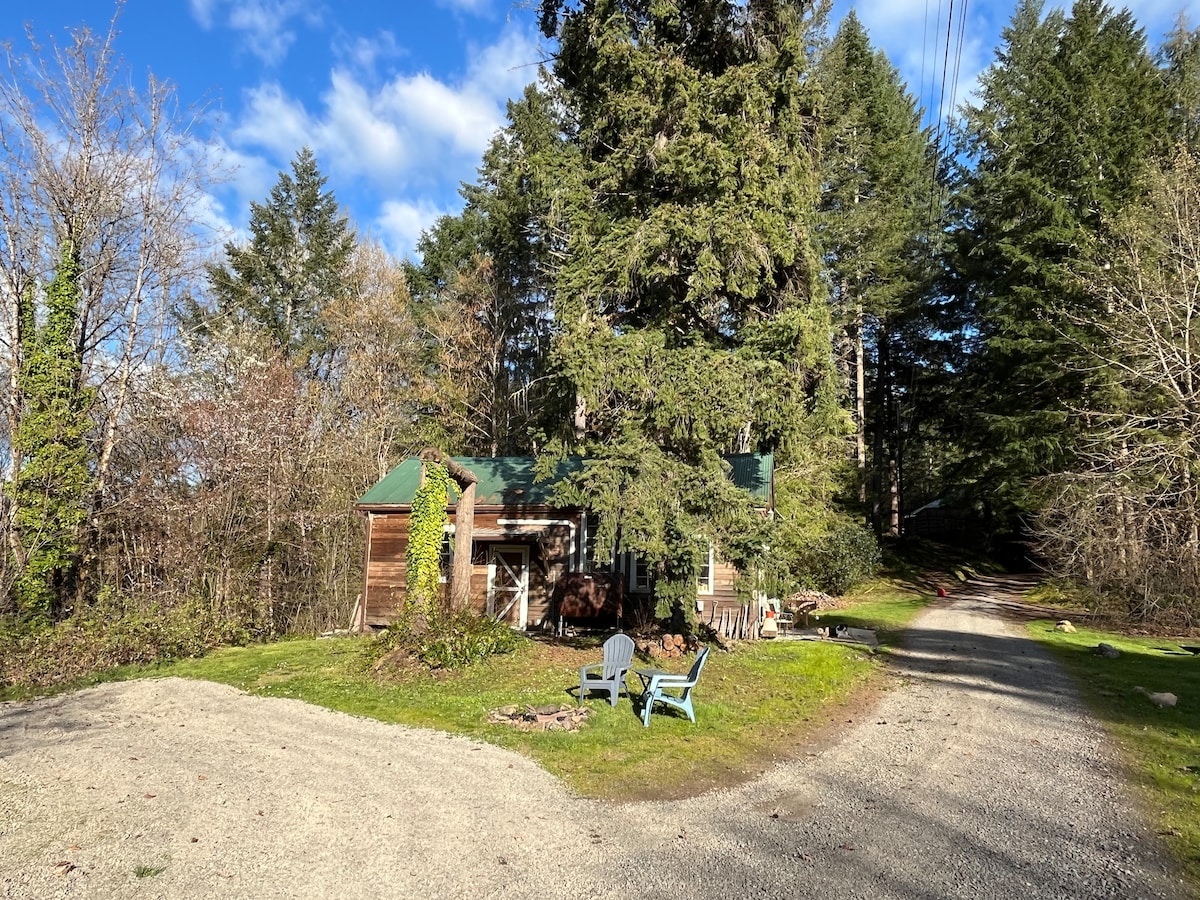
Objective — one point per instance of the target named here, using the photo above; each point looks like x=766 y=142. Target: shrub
x=448 y=641
x=839 y=559
x=113 y=632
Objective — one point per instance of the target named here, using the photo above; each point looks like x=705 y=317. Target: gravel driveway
x=978 y=775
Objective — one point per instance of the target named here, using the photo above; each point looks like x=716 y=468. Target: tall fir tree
x=484 y=279
x=1179 y=59
x=877 y=178
x=296 y=262
x=1067 y=117
x=688 y=314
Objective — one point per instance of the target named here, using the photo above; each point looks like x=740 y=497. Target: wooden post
x=464 y=526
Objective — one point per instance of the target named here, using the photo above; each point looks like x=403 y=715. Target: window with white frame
x=705 y=576
x=639 y=575
x=446 y=555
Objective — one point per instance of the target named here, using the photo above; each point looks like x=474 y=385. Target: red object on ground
x=942 y=592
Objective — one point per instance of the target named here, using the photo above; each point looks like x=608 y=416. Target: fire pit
x=541 y=718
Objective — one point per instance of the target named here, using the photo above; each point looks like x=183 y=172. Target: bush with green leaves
x=845 y=555
x=448 y=641
x=113 y=632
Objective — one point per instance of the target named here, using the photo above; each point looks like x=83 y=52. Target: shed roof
x=509 y=480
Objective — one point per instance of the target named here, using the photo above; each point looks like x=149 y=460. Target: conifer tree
x=295 y=262
x=877 y=178
x=1179 y=59
x=688 y=318
x=484 y=281
x=1068 y=115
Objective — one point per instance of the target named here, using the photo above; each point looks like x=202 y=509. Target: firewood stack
x=669 y=646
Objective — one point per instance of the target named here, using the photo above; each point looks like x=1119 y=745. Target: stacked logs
x=669 y=646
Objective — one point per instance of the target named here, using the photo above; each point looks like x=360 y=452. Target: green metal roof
x=509 y=480
x=503 y=481
x=754 y=473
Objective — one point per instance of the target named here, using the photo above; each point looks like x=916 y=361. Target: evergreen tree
x=1068 y=115
x=52 y=488
x=877 y=180
x=484 y=282
x=686 y=308
x=1179 y=59
x=294 y=264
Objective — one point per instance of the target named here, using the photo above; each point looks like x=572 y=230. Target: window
x=446 y=555
x=639 y=575
x=704 y=577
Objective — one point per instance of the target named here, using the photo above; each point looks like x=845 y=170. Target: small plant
x=148 y=871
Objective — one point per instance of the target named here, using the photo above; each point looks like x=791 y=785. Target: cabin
x=532 y=560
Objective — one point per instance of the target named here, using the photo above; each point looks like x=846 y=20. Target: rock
x=1108 y=651
x=1161 y=699
x=1066 y=626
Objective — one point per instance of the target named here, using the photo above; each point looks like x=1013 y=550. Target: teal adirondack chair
x=656 y=684
x=608 y=675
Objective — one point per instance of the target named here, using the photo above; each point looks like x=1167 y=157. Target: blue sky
x=398 y=99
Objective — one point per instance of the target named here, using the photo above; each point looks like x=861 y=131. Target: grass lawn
x=1161 y=746
x=753 y=705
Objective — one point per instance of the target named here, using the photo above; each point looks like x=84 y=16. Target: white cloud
x=441 y=113
x=476 y=7
x=263 y=24
x=273 y=120
x=363 y=53
x=357 y=131
x=400 y=224
x=414 y=128
x=504 y=68
x=202 y=12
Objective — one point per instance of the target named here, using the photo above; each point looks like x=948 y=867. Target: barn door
x=508 y=584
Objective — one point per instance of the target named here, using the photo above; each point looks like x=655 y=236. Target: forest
x=709 y=227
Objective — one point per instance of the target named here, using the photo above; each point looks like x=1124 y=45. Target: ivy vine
x=426 y=531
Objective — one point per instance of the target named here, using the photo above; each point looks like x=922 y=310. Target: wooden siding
x=550 y=555
x=724 y=595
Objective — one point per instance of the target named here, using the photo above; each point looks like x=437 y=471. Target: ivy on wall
x=426 y=531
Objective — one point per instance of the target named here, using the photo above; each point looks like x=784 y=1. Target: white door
x=508 y=584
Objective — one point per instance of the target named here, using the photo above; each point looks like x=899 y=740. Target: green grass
x=759 y=703
x=148 y=871
x=883 y=607
x=1161 y=747
x=751 y=706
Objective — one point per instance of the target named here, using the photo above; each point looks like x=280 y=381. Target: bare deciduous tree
x=116 y=172
x=1127 y=518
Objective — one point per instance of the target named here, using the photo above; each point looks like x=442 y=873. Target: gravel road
x=977 y=775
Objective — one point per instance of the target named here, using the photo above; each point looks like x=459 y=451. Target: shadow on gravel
x=982 y=664
x=870 y=834
x=35 y=724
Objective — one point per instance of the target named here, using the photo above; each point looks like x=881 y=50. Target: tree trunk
x=464 y=526
x=580 y=417
x=860 y=411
